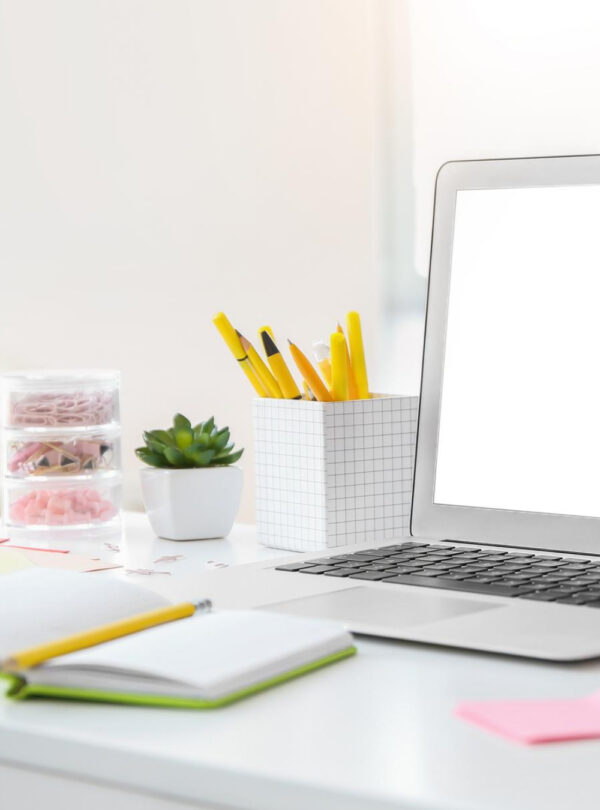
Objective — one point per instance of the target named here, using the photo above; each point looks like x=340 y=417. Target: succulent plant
x=184 y=446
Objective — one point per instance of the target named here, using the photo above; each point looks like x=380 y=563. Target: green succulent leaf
x=225 y=451
x=181 y=421
x=175 y=457
x=202 y=440
x=154 y=447
x=200 y=458
x=153 y=444
x=208 y=425
x=153 y=459
x=230 y=459
x=220 y=439
x=184 y=437
x=195 y=447
x=160 y=436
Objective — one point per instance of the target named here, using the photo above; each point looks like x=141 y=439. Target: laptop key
x=545 y=563
x=439 y=567
x=369 y=575
x=316 y=569
x=497 y=556
x=378 y=567
x=543 y=596
x=294 y=566
x=340 y=572
x=354 y=564
x=555 y=577
x=365 y=557
x=403 y=569
x=424 y=573
x=577 y=599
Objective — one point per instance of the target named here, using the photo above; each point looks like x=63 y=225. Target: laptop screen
x=520 y=407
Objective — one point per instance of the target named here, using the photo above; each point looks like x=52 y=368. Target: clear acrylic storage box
x=45 y=399
x=74 y=504
x=61 y=451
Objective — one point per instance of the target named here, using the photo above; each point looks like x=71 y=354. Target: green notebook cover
x=19 y=689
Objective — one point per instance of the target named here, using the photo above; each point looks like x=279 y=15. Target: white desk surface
x=376 y=731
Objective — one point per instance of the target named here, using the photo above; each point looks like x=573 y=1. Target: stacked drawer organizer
x=61 y=452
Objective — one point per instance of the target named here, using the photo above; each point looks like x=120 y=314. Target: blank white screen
x=520 y=408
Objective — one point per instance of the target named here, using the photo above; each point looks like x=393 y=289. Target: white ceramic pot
x=192 y=504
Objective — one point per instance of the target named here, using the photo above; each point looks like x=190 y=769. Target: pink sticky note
x=536 y=721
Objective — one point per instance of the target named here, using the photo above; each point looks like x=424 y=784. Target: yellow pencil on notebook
x=352 y=386
x=232 y=340
x=260 y=367
x=281 y=372
x=357 y=354
x=339 y=371
x=25 y=659
x=309 y=375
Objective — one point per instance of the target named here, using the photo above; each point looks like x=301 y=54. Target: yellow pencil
x=25 y=659
x=307 y=392
x=229 y=335
x=352 y=386
x=308 y=373
x=321 y=353
x=357 y=354
x=282 y=374
x=339 y=371
x=259 y=366
x=268 y=330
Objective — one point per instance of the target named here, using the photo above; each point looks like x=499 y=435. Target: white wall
x=475 y=79
x=500 y=79
x=161 y=160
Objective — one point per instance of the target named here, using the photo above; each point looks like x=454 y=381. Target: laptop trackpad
x=396 y=610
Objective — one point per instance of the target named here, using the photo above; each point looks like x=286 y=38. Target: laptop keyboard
x=569 y=581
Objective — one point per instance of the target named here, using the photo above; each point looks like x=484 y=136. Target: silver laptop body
x=508 y=452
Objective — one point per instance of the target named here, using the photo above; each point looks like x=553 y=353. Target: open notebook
x=204 y=661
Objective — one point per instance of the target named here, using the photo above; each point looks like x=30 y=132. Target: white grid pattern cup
x=331 y=474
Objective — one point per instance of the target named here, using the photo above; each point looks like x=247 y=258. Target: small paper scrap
x=112 y=547
x=536 y=721
x=169 y=558
x=145 y=571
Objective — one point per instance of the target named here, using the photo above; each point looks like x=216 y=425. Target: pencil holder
x=332 y=474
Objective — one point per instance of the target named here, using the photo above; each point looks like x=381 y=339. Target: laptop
x=504 y=552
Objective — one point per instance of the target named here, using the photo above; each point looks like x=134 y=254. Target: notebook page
x=214 y=654
x=39 y=605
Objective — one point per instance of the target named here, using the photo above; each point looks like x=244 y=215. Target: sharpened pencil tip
x=268 y=343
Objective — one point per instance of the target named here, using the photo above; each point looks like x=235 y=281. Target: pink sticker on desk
x=536 y=721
